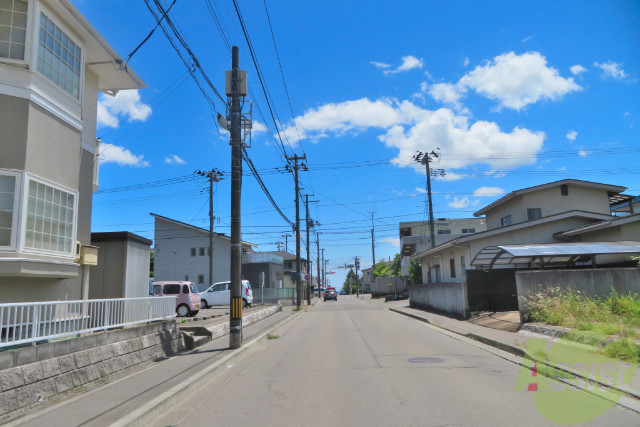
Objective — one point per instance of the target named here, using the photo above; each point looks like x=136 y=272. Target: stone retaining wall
x=41 y=375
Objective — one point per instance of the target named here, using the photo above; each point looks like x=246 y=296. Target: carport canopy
x=555 y=254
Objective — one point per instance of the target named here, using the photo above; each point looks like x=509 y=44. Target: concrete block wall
x=37 y=376
x=449 y=298
x=381 y=285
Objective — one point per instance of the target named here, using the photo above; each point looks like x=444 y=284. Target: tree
x=355 y=282
x=396 y=268
x=152 y=261
x=381 y=269
x=415 y=271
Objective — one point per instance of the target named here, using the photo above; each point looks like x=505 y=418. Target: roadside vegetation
x=615 y=318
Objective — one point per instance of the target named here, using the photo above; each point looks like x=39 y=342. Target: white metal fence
x=34 y=321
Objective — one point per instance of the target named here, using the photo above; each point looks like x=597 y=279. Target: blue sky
x=514 y=94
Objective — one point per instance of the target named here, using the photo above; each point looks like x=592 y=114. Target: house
x=290 y=267
x=549 y=215
x=53 y=63
x=182 y=253
x=263 y=270
x=415 y=236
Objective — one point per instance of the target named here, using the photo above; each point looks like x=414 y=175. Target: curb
x=156 y=407
x=630 y=393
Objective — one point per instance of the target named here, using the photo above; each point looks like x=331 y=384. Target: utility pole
x=373 y=248
x=309 y=225
x=318 y=276
x=286 y=242
x=425 y=159
x=235 y=90
x=357 y=267
x=295 y=160
x=214 y=176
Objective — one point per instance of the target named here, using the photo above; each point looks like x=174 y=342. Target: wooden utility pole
x=296 y=166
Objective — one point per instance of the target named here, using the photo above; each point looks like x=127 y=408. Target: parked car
x=331 y=294
x=220 y=294
x=187 y=297
x=342 y=293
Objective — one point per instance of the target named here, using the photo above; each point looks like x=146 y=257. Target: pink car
x=187 y=297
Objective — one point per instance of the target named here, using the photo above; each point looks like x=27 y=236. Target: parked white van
x=220 y=294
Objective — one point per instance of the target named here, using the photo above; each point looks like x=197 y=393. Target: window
x=13 y=28
x=7 y=207
x=50 y=219
x=506 y=220
x=193 y=251
x=202 y=251
x=219 y=287
x=200 y=278
x=157 y=289
x=452 y=267
x=444 y=231
x=59 y=58
x=534 y=213
x=171 y=289
x=468 y=230
x=463 y=267
x=564 y=190
x=208 y=251
x=185 y=289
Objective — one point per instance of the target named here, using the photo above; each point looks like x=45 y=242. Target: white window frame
x=35 y=34
x=23 y=226
x=17 y=197
x=28 y=38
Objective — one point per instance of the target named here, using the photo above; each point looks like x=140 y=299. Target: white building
x=53 y=63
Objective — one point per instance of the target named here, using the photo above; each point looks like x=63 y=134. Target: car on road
x=342 y=293
x=331 y=294
x=187 y=297
x=220 y=294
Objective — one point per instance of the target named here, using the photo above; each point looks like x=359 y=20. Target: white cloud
x=407 y=127
x=448 y=94
x=126 y=104
x=611 y=69
x=577 y=69
x=257 y=127
x=526 y=39
x=488 y=192
x=380 y=64
x=571 y=136
x=120 y=155
x=465 y=61
x=583 y=153
x=459 y=203
x=515 y=81
x=174 y=160
x=409 y=63
x=394 y=241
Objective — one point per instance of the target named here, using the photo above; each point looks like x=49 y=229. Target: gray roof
x=553 y=253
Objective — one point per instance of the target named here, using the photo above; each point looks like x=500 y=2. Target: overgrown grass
x=272 y=336
x=598 y=318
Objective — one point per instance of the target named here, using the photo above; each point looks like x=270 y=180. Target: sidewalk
x=141 y=396
x=511 y=342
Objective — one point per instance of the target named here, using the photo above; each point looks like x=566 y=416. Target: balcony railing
x=27 y=322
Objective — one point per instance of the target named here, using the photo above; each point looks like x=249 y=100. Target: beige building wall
x=13 y=134
x=550 y=201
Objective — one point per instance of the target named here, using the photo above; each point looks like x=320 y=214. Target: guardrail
x=26 y=322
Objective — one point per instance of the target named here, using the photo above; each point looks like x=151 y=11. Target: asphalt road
x=347 y=363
